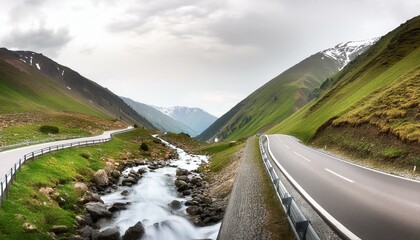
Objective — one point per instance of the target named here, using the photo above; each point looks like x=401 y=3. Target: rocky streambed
x=164 y=199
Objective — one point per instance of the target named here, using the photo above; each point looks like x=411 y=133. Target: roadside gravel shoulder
x=247 y=216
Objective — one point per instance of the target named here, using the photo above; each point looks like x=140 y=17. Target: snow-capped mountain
x=159 y=120
x=343 y=53
x=195 y=118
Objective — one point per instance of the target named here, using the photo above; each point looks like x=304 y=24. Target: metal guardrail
x=11 y=175
x=300 y=224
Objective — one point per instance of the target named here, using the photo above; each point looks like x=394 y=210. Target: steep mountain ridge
x=195 y=118
x=69 y=83
x=343 y=53
x=371 y=108
x=284 y=94
x=159 y=120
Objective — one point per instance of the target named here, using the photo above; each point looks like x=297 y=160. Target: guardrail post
x=20 y=163
x=287 y=201
x=301 y=229
x=42 y=151
x=33 y=155
x=24 y=158
x=15 y=171
x=2 y=193
x=5 y=187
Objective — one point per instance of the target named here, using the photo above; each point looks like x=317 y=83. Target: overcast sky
x=198 y=53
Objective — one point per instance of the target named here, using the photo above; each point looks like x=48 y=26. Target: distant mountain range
x=32 y=82
x=283 y=95
x=175 y=119
x=195 y=118
x=159 y=120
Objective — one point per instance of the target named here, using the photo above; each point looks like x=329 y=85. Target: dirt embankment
x=221 y=183
x=367 y=145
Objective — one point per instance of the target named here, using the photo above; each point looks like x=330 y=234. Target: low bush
x=49 y=129
x=144 y=147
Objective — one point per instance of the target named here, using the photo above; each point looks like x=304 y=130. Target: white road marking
x=341 y=228
x=286 y=146
x=338 y=175
x=301 y=156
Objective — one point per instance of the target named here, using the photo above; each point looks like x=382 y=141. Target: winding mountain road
x=361 y=203
x=9 y=158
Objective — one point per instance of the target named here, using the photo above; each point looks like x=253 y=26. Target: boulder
x=129 y=181
x=83 y=220
x=79 y=186
x=100 y=178
x=59 y=229
x=181 y=172
x=88 y=232
x=186 y=193
x=125 y=193
x=184 y=178
x=29 y=227
x=118 y=206
x=109 y=167
x=175 y=205
x=97 y=210
x=181 y=185
x=196 y=180
x=135 y=232
x=115 y=174
x=109 y=234
x=193 y=210
x=46 y=191
x=75 y=237
x=141 y=162
x=90 y=197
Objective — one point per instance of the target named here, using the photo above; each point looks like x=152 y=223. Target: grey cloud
x=41 y=39
x=25 y=9
x=167 y=12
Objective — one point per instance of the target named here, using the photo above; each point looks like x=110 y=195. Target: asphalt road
x=362 y=203
x=10 y=157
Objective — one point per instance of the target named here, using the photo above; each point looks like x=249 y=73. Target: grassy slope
x=393 y=59
x=274 y=101
x=30 y=91
x=221 y=155
x=25 y=91
x=60 y=170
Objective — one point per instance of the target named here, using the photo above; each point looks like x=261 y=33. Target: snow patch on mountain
x=38 y=66
x=195 y=118
x=343 y=53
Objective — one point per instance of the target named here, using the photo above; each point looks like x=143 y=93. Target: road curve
x=367 y=203
x=10 y=157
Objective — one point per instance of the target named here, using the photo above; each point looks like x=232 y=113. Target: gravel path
x=245 y=214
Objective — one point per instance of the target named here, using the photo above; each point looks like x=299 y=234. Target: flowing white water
x=150 y=199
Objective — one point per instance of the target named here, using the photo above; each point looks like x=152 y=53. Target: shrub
x=85 y=155
x=144 y=147
x=391 y=153
x=49 y=129
x=135 y=126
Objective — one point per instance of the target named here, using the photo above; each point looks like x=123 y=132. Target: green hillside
x=27 y=90
x=30 y=99
x=379 y=92
x=274 y=101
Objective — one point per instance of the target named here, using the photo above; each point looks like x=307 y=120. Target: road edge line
x=327 y=216
x=354 y=164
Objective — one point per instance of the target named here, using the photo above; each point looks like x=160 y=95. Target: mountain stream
x=149 y=203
